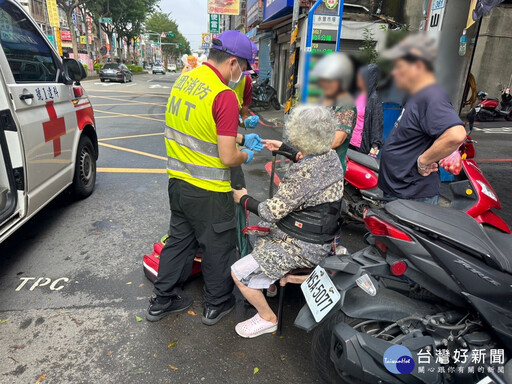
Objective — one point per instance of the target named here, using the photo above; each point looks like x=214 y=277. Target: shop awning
x=273 y=23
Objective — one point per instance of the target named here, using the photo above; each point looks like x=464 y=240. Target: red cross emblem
x=54 y=128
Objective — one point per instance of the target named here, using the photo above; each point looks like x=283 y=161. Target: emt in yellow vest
x=201 y=141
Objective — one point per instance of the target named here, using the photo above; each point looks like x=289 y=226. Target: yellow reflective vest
x=239 y=91
x=191 y=132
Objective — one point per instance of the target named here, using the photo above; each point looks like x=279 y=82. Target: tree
x=127 y=17
x=160 y=22
x=69 y=6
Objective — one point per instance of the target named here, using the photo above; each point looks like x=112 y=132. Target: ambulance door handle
x=26 y=96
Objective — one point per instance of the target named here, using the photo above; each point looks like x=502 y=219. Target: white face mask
x=233 y=83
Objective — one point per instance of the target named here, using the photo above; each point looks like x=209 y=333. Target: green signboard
x=106 y=20
x=50 y=37
x=214 y=23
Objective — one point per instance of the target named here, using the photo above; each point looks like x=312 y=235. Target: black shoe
x=159 y=307
x=213 y=313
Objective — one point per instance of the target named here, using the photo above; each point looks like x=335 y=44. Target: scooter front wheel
x=509 y=116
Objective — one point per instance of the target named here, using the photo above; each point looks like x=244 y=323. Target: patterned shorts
x=248 y=272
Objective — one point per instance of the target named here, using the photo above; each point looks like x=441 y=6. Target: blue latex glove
x=251 y=122
x=253 y=141
x=250 y=155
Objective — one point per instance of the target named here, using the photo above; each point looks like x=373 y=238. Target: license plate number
x=320 y=293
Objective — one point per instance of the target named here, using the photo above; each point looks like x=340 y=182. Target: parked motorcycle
x=432 y=282
x=469 y=191
x=263 y=95
x=488 y=108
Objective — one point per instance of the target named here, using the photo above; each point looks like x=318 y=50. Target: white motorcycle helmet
x=336 y=66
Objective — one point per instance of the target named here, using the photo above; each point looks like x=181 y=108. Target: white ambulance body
x=48 y=139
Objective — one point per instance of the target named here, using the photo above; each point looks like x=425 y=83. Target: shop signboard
x=53 y=13
x=274 y=9
x=253 y=11
x=83 y=39
x=65 y=35
x=224 y=7
x=214 y=23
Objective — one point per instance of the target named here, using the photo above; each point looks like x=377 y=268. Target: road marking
x=131 y=101
x=127 y=115
x=493 y=160
x=42 y=282
x=131 y=137
x=133 y=92
x=158 y=86
x=105 y=84
x=132 y=170
x=131 y=85
x=132 y=151
x=506 y=130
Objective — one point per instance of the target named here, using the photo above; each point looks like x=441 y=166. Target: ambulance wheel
x=85 y=169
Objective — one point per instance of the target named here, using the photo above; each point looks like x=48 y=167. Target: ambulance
x=48 y=139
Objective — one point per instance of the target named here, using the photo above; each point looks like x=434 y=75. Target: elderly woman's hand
x=272 y=145
x=238 y=193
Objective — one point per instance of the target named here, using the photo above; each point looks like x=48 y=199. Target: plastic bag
x=452 y=163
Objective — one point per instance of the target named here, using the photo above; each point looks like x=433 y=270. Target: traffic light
x=181 y=44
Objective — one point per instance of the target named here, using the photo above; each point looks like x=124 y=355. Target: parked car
x=48 y=138
x=172 y=68
x=115 y=72
x=158 y=68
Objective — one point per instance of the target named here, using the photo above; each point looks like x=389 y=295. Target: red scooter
x=488 y=108
x=469 y=191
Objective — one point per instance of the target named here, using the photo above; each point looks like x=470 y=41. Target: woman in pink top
x=367 y=134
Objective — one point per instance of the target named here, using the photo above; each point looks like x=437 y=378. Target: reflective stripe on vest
x=191 y=132
x=192 y=143
x=198 y=171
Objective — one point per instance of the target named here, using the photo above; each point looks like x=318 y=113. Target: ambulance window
x=29 y=56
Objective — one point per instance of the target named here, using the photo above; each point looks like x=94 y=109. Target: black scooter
x=432 y=282
x=263 y=95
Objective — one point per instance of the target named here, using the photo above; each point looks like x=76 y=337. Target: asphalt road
x=71 y=280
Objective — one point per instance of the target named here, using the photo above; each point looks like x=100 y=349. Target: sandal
x=254 y=327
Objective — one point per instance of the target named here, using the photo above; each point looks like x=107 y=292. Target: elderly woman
x=303 y=216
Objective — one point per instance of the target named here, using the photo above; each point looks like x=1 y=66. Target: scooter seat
x=457 y=227
x=365 y=160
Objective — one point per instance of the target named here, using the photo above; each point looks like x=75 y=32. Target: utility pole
x=292 y=57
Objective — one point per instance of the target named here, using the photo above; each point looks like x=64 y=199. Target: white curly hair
x=311 y=129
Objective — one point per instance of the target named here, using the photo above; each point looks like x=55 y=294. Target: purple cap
x=235 y=43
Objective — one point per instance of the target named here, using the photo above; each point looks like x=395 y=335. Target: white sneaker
x=255 y=327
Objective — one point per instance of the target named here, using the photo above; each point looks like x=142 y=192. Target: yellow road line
x=133 y=151
x=128 y=115
x=131 y=101
x=132 y=170
x=130 y=137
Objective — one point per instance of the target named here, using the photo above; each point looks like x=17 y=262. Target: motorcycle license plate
x=477 y=109
x=320 y=293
